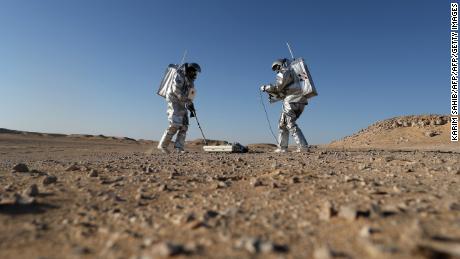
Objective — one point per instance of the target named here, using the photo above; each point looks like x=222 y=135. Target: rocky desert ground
x=389 y=191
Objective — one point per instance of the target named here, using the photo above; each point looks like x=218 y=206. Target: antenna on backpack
x=183 y=58
x=290 y=51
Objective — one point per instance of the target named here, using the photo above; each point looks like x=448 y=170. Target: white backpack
x=303 y=78
x=167 y=81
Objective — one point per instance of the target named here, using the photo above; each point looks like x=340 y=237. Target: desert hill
x=31 y=134
x=424 y=132
x=18 y=134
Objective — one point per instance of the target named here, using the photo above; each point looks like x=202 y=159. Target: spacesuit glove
x=191 y=107
x=262 y=88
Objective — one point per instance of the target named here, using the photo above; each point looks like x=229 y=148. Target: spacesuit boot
x=166 y=139
x=283 y=140
x=180 y=139
x=302 y=145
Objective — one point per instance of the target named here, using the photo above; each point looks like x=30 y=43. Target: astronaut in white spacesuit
x=179 y=98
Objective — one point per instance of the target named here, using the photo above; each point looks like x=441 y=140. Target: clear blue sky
x=93 y=66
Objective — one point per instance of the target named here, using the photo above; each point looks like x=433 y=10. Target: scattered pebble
x=431 y=133
x=347 y=212
x=255 y=182
x=322 y=252
x=49 y=179
x=31 y=191
x=295 y=179
x=257 y=245
x=72 y=167
x=168 y=249
x=163 y=188
x=326 y=211
x=93 y=173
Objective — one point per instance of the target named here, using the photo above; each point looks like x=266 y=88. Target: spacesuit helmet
x=192 y=69
x=278 y=64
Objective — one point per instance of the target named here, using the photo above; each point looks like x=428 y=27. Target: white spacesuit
x=179 y=97
x=294 y=102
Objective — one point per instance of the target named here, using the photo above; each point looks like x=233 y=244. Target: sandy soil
x=101 y=197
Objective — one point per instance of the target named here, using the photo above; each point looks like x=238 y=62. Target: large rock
x=21 y=168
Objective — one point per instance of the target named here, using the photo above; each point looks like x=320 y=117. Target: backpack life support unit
x=303 y=78
x=168 y=81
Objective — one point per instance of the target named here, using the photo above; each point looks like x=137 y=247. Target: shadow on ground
x=20 y=209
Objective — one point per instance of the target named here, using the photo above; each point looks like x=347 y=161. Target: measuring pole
x=199 y=126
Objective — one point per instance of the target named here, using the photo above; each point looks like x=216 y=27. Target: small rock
x=72 y=167
x=275 y=184
x=439 y=122
x=367 y=231
x=439 y=249
x=322 y=253
x=34 y=171
x=363 y=166
x=221 y=184
x=451 y=169
x=377 y=250
x=269 y=247
x=295 y=179
x=431 y=133
x=256 y=245
x=81 y=250
x=118 y=198
x=347 y=212
x=255 y=182
x=389 y=158
x=49 y=179
x=21 y=200
x=32 y=191
x=139 y=196
x=142 y=196
x=21 y=168
x=9 y=188
x=174 y=174
x=326 y=211
x=385 y=211
x=325 y=252
x=163 y=188
x=168 y=249
x=423 y=123
x=93 y=173
x=210 y=214
x=147 y=242
x=455 y=206
x=148 y=169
